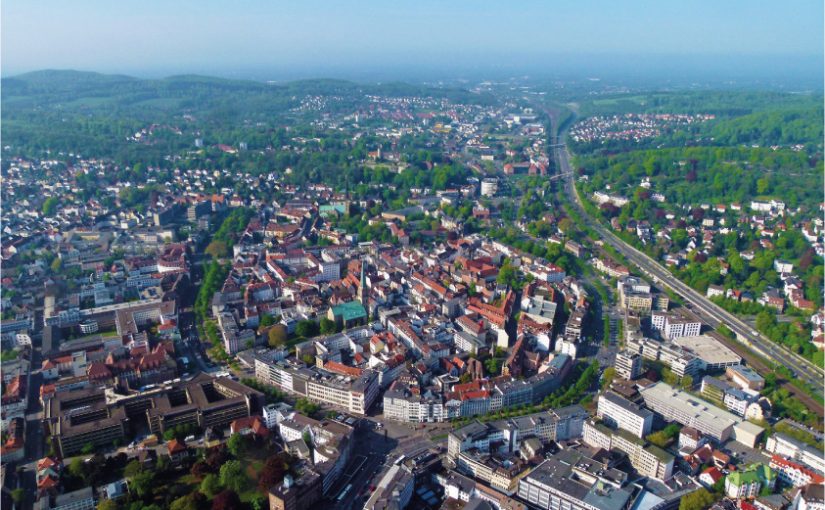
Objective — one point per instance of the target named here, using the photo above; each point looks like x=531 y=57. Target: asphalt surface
x=711 y=313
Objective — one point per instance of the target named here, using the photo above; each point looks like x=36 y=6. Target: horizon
x=368 y=41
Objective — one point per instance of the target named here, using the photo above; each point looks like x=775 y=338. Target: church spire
x=362 y=289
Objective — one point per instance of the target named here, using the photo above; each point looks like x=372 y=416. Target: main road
x=712 y=313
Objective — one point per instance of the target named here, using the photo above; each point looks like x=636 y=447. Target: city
x=506 y=294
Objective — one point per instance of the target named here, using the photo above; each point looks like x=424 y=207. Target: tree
x=227 y=500
x=327 y=326
x=236 y=445
x=107 y=504
x=57 y=264
x=143 y=483
x=49 y=206
x=609 y=375
x=233 y=476
x=277 y=335
x=698 y=500
x=187 y=502
x=87 y=449
x=687 y=382
x=17 y=495
x=76 y=467
x=266 y=321
x=217 y=249
x=210 y=485
x=273 y=471
x=306 y=328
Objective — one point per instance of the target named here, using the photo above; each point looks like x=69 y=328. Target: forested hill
x=96 y=114
x=100 y=93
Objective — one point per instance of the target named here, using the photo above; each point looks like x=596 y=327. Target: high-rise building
x=624 y=414
x=628 y=365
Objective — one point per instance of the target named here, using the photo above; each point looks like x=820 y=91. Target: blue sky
x=152 y=37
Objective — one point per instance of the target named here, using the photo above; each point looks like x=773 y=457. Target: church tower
x=362 y=288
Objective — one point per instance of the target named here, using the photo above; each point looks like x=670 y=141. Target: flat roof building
x=676 y=405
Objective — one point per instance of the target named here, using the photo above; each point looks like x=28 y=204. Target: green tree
x=107 y=504
x=76 y=468
x=697 y=500
x=186 y=502
x=49 y=206
x=17 y=495
x=217 y=249
x=143 y=483
x=210 y=485
x=57 y=264
x=266 y=321
x=236 y=445
x=233 y=476
x=327 y=326
x=277 y=336
x=87 y=449
x=609 y=376
x=132 y=468
x=307 y=328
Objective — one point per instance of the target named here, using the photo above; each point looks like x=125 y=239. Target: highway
x=710 y=312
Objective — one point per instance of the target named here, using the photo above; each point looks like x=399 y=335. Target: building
x=794 y=474
x=790 y=448
x=619 y=412
x=81 y=499
x=810 y=497
x=300 y=494
x=628 y=365
x=671 y=325
x=745 y=377
x=80 y=417
x=394 y=490
x=676 y=405
x=571 y=481
x=204 y=401
x=552 y=425
x=349 y=314
x=353 y=393
x=747 y=483
x=489 y=187
x=680 y=362
x=99 y=417
x=649 y=460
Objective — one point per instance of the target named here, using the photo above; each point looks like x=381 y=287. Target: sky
x=275 y=39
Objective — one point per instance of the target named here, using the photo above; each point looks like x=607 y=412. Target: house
x=177 y=451
x=715 y=290
x=249 y=426
x=710 y=476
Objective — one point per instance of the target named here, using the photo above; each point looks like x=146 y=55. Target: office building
x=628 y=365
x=571 y=481
x=675 y=405
x=624 y=414
x=649 y=460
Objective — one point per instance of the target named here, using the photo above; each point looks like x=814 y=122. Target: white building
x=619 y=412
